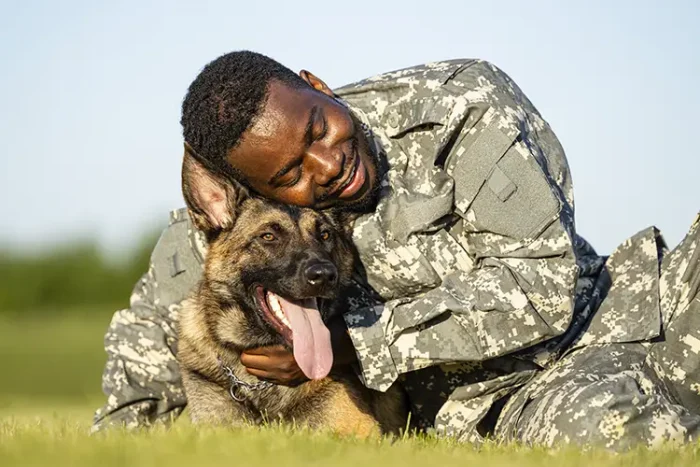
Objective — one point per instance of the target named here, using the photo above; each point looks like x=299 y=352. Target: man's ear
x=212 y=201
x=316 y=82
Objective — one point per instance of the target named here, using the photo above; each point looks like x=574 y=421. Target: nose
x=321 y=274
x=326 y=164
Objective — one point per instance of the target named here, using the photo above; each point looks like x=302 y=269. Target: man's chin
x=367 y=197
x=365 y=203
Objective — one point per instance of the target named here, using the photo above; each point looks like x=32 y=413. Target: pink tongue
x=311 y=338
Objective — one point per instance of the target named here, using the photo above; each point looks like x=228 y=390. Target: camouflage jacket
x=473 y=274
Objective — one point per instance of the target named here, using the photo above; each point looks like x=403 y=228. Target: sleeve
x=512 y=199
x=141 y=378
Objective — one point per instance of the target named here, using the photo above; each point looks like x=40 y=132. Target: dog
x=274 y=274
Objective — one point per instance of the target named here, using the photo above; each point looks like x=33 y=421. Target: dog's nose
x=321 y=274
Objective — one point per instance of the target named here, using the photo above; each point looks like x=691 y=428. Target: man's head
x=283 y=135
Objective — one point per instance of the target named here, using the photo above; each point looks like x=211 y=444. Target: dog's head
x=273 y=273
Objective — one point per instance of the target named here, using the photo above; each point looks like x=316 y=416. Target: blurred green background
x=54 y=309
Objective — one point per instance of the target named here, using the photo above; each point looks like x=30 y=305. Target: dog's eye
x=268 y=237
x=325 y=235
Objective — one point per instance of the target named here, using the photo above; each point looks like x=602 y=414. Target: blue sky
x=90 y=96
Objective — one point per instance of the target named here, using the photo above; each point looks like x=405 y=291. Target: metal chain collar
x=238 y=386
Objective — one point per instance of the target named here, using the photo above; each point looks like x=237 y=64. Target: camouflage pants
x=615 y=395
x=605 y=395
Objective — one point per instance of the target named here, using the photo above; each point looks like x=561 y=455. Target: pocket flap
x=473 y=158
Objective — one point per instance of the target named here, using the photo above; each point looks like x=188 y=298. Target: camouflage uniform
x=477 y=292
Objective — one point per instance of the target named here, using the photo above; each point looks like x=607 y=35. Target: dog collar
x=239 y=388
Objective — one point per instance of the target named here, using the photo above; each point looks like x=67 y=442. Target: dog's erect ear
x=211 y=200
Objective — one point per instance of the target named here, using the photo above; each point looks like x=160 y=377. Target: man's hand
x=276 y=363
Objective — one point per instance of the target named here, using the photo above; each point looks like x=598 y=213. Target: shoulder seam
x=178 y=215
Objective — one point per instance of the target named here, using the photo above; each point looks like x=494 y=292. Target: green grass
x=51 y=359
x=50 y=369
x=57 y=442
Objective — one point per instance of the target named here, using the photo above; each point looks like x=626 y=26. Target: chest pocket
x=499 y=186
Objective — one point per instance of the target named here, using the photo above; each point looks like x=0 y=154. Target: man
x=475 y=291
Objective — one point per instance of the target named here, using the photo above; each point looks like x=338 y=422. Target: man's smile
x=355 y=178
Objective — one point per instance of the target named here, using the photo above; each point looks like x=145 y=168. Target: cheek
x=342 y=123
x=298 y=195
x=343 y=257
x=228 y=326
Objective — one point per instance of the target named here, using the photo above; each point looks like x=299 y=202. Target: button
x=393 y=119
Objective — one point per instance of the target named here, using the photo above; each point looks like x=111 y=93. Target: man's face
x=306 y=149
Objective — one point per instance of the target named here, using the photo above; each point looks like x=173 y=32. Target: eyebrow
x=308 y=137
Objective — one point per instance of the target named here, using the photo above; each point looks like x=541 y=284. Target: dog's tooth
x=280 y=314
x=282 y=318
x=276 y=308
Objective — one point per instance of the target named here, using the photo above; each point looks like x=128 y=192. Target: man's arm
x=513 y=197
x=142 y=379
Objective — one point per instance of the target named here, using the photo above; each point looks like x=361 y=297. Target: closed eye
x=324 y=130
x=278 y=178
x=292 y=181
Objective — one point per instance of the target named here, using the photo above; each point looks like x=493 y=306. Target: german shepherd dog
x=273 y=274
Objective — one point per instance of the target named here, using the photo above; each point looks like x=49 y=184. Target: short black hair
x=224 y=100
